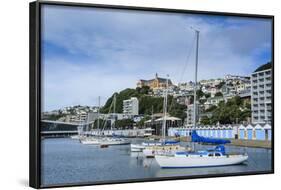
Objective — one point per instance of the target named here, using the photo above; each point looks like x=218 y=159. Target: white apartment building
x=131 y=106
x=261 y=94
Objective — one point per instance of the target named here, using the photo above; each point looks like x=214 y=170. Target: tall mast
x=195 y=80
x=152 y=115
x=114 y=103
x=98 y=113
x=165 y=108
x=114 y=107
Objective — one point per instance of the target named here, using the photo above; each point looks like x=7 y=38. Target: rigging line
x=105 y=120
x=187 y=59
x=184 y=69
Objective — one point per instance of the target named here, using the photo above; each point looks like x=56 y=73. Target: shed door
x=260 y=134
x=250 y=134
x=241 y=134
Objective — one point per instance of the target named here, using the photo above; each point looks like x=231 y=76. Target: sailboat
x=114 y=140
x=165 y=146
x=93 y=140
x=203 y=158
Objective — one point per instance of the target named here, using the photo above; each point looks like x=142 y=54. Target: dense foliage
x=147 y=103
x=234 y=110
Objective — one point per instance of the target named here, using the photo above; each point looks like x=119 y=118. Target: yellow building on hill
x=156 y=83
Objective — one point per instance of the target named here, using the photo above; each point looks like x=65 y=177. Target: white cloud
x=117 y=48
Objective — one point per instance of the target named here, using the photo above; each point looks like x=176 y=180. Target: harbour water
x=68 y=161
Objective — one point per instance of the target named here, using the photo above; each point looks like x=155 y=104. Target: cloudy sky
x=88 y=52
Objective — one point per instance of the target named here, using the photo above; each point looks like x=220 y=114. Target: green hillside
x=146 y=102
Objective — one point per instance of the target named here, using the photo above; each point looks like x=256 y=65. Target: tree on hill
x=233 y=111
x=218 y=94
x=220 y=84
x=124 y=124
x=141 y=122
x=123 y=95
x=143 y=90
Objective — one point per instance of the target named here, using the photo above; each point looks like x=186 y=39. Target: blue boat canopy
x=196 y=138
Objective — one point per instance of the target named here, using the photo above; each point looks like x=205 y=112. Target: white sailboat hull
x=191 y=162
x=115 y=142
x=90 y=141
x=137 y=148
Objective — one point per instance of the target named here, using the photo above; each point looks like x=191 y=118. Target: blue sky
x=88 y=52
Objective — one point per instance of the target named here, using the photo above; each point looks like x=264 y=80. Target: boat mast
x=165 y=109
x=195 y=80
x=152 y=116
x=114 y=107
x=86 y=122
x=98 y=113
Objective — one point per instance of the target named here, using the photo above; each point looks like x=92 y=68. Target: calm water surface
x=67 y=161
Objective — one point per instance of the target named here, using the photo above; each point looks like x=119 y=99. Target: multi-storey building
x=261 y=81
x=131 y=106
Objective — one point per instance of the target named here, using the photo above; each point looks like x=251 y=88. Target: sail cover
x=196 y=138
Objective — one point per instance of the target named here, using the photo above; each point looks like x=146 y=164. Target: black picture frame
x=35 y=90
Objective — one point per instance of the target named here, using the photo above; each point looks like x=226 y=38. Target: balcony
x=268 y=73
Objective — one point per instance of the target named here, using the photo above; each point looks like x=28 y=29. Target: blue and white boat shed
x=229 y=131
x=212 y=131
x=268 y=132
x=202 y=129
x=249 y=130
x=259 y=132
x=205 y=131
x=218 y=131
x=242 y=132
x=223 y=132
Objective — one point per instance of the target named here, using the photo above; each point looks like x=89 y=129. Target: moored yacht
x=114 y=141
x=207 y=158
x=90 y=140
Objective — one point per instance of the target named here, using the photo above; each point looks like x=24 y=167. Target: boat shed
x=229 y=131
x=242 y=132
x=268 y=132
x=249 y=130
x=259 y=132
